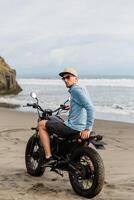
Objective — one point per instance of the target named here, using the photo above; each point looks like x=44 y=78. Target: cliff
x=8 y=83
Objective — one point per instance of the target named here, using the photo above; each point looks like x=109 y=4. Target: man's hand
x=67 y=107
x=85 y=134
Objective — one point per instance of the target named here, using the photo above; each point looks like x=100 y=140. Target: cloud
x=90 y=34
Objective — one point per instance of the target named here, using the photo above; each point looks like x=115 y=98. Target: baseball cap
x=69 y=70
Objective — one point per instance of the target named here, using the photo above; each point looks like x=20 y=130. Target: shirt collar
x=72 y=86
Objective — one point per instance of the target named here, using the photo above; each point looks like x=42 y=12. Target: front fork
x=36 y=133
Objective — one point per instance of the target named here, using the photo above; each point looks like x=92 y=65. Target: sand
x=16 y=184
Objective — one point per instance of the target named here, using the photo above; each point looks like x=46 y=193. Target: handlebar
x=35 y=105
x=62 y=107
x=30 y=104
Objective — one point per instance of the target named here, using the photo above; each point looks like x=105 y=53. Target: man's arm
x=84 y=100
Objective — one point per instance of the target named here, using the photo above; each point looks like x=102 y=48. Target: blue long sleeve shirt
x=81 y=114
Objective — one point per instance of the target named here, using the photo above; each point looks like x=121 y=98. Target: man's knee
x=42 y=124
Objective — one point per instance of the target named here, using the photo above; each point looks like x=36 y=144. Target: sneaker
x=48 y=162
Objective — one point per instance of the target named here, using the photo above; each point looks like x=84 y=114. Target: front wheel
x=88 y=178
x=34 y=156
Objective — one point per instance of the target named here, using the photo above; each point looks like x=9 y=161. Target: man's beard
x=69 y=86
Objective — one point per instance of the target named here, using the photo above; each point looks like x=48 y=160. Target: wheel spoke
x=33 y=161
x=86 y=171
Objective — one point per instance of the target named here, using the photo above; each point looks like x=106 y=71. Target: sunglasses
x=66 y=77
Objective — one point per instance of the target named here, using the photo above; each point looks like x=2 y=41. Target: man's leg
x=44 y=136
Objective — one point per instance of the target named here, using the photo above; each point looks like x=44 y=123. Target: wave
x=12 y=100
x=88 y=82
x=115 y=109
x=39 y=81
x=109 y=100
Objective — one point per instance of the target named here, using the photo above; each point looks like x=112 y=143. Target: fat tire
x=99 y=172
x=30 y=145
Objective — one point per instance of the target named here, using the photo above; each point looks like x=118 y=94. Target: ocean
x=113 y=97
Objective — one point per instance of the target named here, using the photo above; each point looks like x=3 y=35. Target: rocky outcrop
x=8 y=83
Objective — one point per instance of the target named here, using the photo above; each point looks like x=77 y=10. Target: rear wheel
x=34 y=156
x=88 y=178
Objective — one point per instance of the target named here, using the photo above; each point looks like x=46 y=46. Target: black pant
x=59 y=128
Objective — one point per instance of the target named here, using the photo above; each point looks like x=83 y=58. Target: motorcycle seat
x=74 y=137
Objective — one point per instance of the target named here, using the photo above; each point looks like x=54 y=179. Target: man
x=80 y=119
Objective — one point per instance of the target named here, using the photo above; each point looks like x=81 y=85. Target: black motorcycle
x=82 y=162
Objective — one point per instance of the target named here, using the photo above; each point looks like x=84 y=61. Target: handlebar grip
x=62 y=106
x=30 y=104
x=34 y=105
x=65 y=107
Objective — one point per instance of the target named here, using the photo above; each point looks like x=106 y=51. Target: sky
x=45 y=36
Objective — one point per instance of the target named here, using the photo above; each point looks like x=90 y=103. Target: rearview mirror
x=33 y=95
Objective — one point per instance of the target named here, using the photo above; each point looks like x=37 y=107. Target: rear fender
x=96 y=140
x=98 y=144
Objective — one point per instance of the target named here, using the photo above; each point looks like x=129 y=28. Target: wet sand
x=16 y=184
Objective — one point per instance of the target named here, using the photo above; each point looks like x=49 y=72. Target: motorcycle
x=74 y=155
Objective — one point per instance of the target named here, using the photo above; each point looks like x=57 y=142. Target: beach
x=16 y=184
